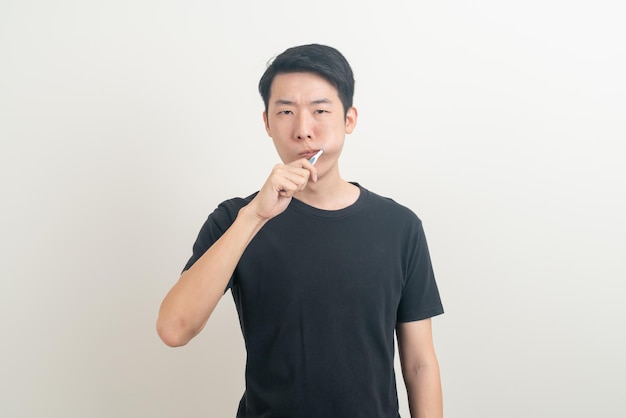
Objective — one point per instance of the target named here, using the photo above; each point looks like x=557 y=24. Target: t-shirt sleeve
x=420 y=295
x=216 y=224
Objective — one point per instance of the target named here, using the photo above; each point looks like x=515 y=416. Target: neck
x=329 y=194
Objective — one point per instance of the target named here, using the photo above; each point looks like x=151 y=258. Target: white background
x=124 y=123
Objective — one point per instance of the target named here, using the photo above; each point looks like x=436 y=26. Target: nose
x=304 y=128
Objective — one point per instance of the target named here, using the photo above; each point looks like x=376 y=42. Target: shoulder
x=233 y=205
x=390 y=208
x=226 y=212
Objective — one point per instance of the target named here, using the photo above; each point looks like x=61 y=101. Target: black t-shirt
x=318 y=294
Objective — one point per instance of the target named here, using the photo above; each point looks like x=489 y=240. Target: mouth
x=308 y=154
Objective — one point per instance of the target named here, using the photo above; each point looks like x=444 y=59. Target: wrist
x=250 y=216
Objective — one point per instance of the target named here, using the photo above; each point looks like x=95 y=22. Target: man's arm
x=189 y=304
x=420 y=368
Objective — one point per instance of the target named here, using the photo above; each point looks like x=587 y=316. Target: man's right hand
x=283 y=183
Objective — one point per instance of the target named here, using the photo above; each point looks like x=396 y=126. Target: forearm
x=423 y=385
x=189 y=304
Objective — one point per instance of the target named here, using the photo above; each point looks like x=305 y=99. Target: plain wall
x=124 y=123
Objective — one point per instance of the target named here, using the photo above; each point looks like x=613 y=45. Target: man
x=322 y=271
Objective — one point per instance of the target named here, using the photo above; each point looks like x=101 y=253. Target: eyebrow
x=321 y=101
x=291 y=103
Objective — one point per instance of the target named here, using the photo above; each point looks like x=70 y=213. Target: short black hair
x=325 y=61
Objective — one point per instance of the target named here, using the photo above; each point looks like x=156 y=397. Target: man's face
x=304 y=114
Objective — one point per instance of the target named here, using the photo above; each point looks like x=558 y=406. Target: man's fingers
x=288 y=188
x=290 y=179
x=283 y=182
x=306 y=164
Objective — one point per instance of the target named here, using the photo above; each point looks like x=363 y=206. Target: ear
x=351 y=116
x=266 y=123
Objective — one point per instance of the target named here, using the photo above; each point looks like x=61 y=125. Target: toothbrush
x=314 y=158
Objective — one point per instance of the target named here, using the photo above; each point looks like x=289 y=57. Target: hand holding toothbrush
x=283 y=183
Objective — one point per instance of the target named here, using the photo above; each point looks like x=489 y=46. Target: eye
x=285 y=112
x=320 y=111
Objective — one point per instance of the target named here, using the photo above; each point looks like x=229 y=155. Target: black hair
x=325 y=61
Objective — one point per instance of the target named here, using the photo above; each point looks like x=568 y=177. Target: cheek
x=333 y=130
x=277 y=128
x=330 y=127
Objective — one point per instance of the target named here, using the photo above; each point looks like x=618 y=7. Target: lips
x=308 y=154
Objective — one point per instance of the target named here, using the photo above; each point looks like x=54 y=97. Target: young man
x=322 y=271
